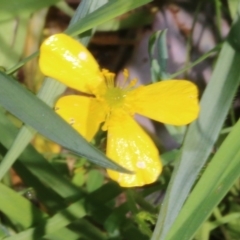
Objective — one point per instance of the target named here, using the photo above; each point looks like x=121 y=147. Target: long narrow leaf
x=83 y=23
x=107 y=12
x=216 y=181
x=35 y=162
x=103 y=14
x=14 y=205
x=41 y=117
x=203 y=133
x=49 y=92
x=51 y=225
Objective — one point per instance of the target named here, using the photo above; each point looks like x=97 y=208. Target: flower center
x=115 y=96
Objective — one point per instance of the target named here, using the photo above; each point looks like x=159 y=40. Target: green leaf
x=216 y=181
x=14 y=205
x=106 y=12
x=116 y=218
x=95 y=180
x=32 y=111
x=233 y=6
x=62 y=234
x=51 y=89
x=216 y=49
x=35 y=163
x=203 y=133
x=139 y=18
x=13 y=8
x=53 y=224
x=12 y=38
x=65 y=8
x=87 y=230
x=82 y=21
x=79 y=178
x=40 y=190
x=97 y=201
x=158 y=43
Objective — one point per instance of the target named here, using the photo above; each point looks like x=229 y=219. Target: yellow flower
x=104 y=101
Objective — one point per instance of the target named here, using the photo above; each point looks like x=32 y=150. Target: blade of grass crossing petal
x=43 y=170
x=32 y=111
x=203 y=133
x=36 y=163
x=216 y=181
x=80 y=13
x=50 y=90
x=26 y=132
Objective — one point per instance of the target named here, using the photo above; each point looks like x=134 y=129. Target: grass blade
x=32 y=111
x=51 y=225
x=32 y=215
x=45 y=93
x=108 y=11
x=216 y=181
x=203 y=133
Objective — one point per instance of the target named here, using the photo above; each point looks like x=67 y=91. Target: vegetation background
x=57 y=189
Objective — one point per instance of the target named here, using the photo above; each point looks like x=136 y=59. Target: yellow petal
x=129 y=146
x=68 y=61
x=84 y=113
x=173 y=101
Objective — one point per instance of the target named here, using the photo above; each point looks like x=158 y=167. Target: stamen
x=133 y=82
x=127 y=84
x=125 y=73
x=116 y=97
x=109 y=78
x=126 y=77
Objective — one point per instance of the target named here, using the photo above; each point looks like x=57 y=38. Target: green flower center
x=115 y=97
x=118 y=98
